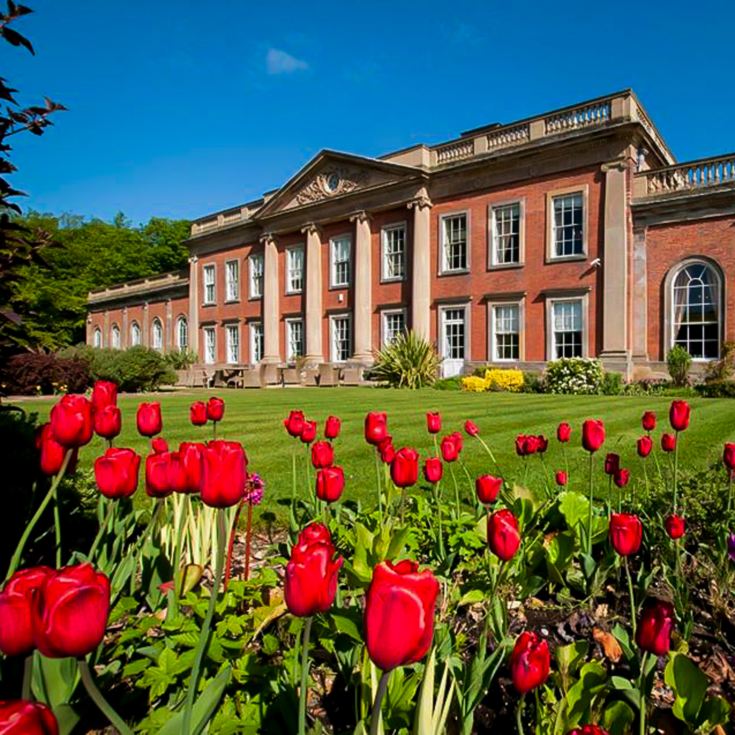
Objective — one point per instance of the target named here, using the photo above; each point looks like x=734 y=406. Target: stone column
x=271 y=312
x=106 y=329
x=168 y=340
x=314 y=350
x=145 y=327
x=640 y=296
x=363 y=308
x=193 y=324
x=125 y=336
x=421 y=265
x=615 y=267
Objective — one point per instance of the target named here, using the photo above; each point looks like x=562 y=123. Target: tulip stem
x=248 y=540
x=293 y=486
x=57 y=527
x=676 y=470
x=375 y=712
x=102 y=529
x=729 y=490
x=231 y=546
x=437 y=498
x=25 y=692
x=456 y=491
x=96 y=696
x=179 y=510
x=204 y=634
x=644 y=698
x=18 y=553
x=589 y=511
x=519 y=714
x=380 y=488
x=304 y=693
x=633 y=611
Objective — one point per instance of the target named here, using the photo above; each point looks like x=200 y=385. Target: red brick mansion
x=574 y=232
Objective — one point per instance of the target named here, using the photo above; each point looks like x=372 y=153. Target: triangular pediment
x=331 y=175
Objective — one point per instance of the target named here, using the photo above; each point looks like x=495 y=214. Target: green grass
x=255 y=419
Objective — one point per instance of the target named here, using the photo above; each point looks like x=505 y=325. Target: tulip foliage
x=450 y=602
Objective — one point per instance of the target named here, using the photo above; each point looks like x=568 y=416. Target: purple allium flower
x=731 y=546
x=254 y=487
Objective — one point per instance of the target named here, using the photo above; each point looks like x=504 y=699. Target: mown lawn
x=255 y=419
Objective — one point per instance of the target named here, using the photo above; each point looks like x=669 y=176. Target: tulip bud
x=593 y=434
x=589 y=730
x=23 y=717
x=675 y=526
x=503 y=535
x=376 y=427
x=107 y=421
x=449 y=449
x=71 y=421
x=668 y=442
x=158 y=475
x=487 y=488
x=308 y=432
x=198 y=413
x=399 y=614
x=679 y=415
x=159 y=445
x=16 y=599
x=644 y=446
x=471 y=428
x=530 y=662
x=612 y=462
x=626 y=533
x=332 y=427
x=728 y=456
x=104 y=393
x=51 y=452
x=116 y=473
x=190 y=454
x=563 y=432
x=322 y=454
x=215 y=409
x=330 y=482
x=621 y=477
x=433 y=422
x=561 y=478
x=387 y=450
x=404 y=469
x=224 y=471
x=433 y=469
x=294 y=423
x=648 y=421
x=149 y=419
x=655 y=627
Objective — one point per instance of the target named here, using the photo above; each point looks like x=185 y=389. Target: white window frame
x=492 y=326
x=156 y=331
x=551 y=197
x=384 y=314
x=210 y=355
x=333 y=318
x=257 y=342
x=182 y=320
x=384 y=235
x=333 y=241
x=493 y=209
x=232 y=282
x=209 y=268
x=441 y=311
x=115 y=342
x=444 y=268
x=551 y=334
x=290 y=356
x=232 y=351
x=256 y=291
x=136 y=334
x=290 y=251
x=97 y=338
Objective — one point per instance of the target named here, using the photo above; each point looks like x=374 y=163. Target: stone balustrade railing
x=138 y=286
x=686 y=177
x=508 y=136
x=455 y=151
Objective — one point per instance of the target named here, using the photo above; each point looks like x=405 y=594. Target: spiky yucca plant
x=409 y=361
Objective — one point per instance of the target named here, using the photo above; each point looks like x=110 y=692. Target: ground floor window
x=506 y=332
x=294 y=339
x=97 y=337
x=341 y=338
x=157 y=334
x=210 y=345
x=454 y=333
x=232 y=333
x=182 y=333
x=394 y=324
x=696 y=310
x=115 y=337
x=256 y=342
x=134 y=334
x=567 y=328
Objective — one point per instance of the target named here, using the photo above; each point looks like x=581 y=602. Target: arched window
x=696 y=310
x=135 y=334
x=97 y=337
x=157 y=334
x=115 y=337
x=182 y=333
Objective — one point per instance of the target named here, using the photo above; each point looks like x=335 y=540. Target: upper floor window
x=134 y=334
x=454 y=243
x=295 y=270
x=182 y=333
x=115 y=337
x=210 y=345
x=567 y=328
x=232 y=333
x=506 y=234
x=256 y=342
x=209 y=290
x=157 y=334
x=256 y=276
x=394 y=324
x=232 y=280
x=696 y=311
x=505 y=332
x=294 y=339
x=340 y=261
x=567 y=231
x=97 y=337
x=394 y=252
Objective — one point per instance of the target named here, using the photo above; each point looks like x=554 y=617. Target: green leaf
x=715 y=711
x=689 y=685
x=568 y=659
x=472 y=597
x=617 y=718
x=347 y=624
x=574 y=507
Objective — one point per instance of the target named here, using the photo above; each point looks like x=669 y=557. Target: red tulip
x=387 y=450
x=215 y=409
x=612 y=463
x=530 y=662
x=471 y=428
x=648 y=421
x=626 y=533
x=487 y=488
x=51 y=452
x=621 y=477
x=107 y=421
x=433 y=469
x=593 y=434
x=503 y=535
x=433 y=422
x=675 y=526
x=376 y=427
x=190 y=455
x=563 y=432
x=404 y=469
x=655 y=626
x=159 y=445
x=644 y=446
x=198 y=413
x=149 y=419
x=542 y=443
x=330 y=482
x=679 y=415
x=728 y=456
x=158 y=475
x=589 y=730
x=561 y=478
x=668 y=442
x=527 y=444
x=308 y=432
x=322 y=454
x=70 y=612
x=311 y=574
x=332 y=427
x=23 y=717
x=104 y=393
x=399 y=614
x=16 y=599
x=116 y=473
x=294 y=423
x=449 y=448
x=224 y=471
x=71 y=421
x=458 y=440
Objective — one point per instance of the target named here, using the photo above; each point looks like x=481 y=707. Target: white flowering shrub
x=577 y=375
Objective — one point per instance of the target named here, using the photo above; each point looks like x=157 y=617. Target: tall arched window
x=696 y=310
x=182 y=333
x=97 y=337
x=157 y=334
x=135 y=334
x=115 y=337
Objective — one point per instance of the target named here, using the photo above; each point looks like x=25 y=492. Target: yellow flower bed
x=474 y=384
x=495 y=379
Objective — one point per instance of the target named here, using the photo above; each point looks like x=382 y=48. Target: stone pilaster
x=314 y=310
x=106 y=329
x=125 y=333
x=640 y=296
x=168 y=337
x=362 y=318
x=270 y=302
x=421 y=265
x=145 y=327
x=194 y=307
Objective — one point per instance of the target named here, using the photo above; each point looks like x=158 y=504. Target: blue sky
x=180 y=108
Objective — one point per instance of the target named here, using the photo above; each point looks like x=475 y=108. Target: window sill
x=209 y=303
x=566 y=258
x=232 y=301
x=505 y=266
x=458 y=272
x=340 y=287
x=255 y=298
x=401 y=279
x=294 y=293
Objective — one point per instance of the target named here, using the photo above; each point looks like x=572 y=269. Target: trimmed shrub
x=474 y=384
x=409 y=361
x=454 y=383
x=532 y=383
x=180 y=359
x=612 y=384
x=39 y=373
x=724 y=368
x=509 y=380
x=716 y=389
x=679 y=361
x=575 y=375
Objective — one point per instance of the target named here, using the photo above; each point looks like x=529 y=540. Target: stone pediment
x=331 y=176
